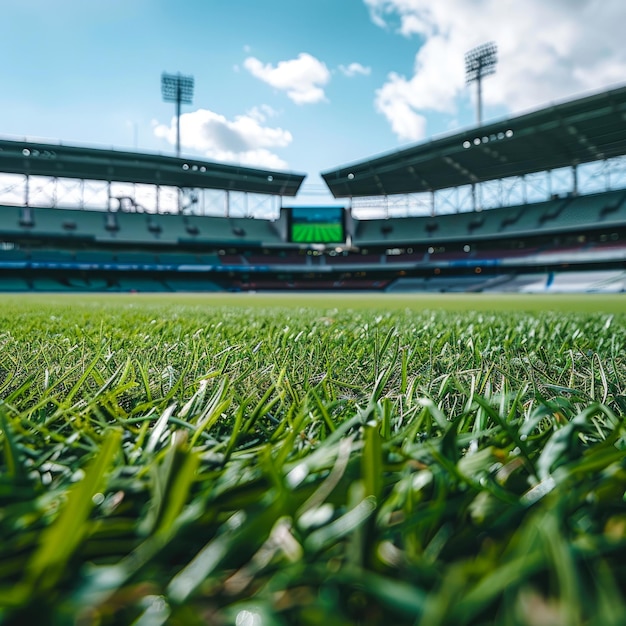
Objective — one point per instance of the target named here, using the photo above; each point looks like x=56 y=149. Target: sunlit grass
x=565 y=302
x=315 y=459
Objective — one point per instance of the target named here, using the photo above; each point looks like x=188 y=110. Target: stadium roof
x=579 y=131
x=42 y=159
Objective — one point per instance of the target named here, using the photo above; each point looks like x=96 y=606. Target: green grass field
x=317 y=233
x=274 y=460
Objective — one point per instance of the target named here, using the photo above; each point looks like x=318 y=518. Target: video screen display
x=317 y=225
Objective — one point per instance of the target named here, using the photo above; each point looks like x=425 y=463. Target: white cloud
x=353 y=69
x=302 y=78
x=261 y=113
x=546 y=51
x=242 y=140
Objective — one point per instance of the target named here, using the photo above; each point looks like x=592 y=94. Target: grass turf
x=531 y=303
x=347 y=459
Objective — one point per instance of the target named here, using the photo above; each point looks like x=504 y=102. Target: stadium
x=221 y=403
x=533 y=203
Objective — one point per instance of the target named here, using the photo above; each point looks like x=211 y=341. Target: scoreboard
x=326 y=225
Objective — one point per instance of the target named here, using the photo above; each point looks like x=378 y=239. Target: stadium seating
x=520 y=283
x=15 y=221
x=435 y=284
x=355 y=259
x=406 y=257
x=251 y=253
x=136 y=284
x=183 y=284
x=136 y=258
x=13 y=255
x=51 y=256
x=12 y=283
x=178 y=258
x=562 y=215
x=589 y=281
x=233 y=259
x=209 y=259
x=95 y=257
x=272 y=257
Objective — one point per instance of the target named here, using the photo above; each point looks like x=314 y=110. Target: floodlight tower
x=179 y=89
x=480 y=62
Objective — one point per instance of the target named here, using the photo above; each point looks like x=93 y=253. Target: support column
x=479 y=98
x=549 y=184
x=178 y=101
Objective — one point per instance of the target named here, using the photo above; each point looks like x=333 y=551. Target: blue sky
x=303 y=85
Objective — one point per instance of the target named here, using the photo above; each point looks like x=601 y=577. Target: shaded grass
x=242 y=458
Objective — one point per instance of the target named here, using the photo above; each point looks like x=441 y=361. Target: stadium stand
x=572 y=214
x=592 y=281
x=453 y=284
x=11 y=283
x=175 y=284
x=94 y=257
x=571 y=241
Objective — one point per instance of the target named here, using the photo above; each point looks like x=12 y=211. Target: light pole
x=479 y=62
x=178 y=89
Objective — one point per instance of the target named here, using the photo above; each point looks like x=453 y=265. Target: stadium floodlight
x=480 y=62
x=178 y=89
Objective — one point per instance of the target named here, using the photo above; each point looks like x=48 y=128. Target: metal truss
x=594 y=177
x=52 y=192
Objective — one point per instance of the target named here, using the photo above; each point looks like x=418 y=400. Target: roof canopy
x=579 y=131
x=41 y=159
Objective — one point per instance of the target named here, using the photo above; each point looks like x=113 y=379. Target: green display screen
x=317 y=225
